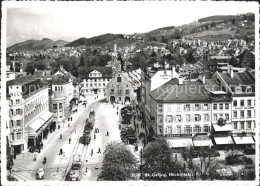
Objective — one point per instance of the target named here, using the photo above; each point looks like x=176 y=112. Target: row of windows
x=55 y=106
x=242 y=125
x=187 y=107
x=217 y=116
x=242 y=103
x=35 y=112
x=242 y=114
x=95 y=84
x=221 y=106
x=17 y=101
x=16 y=136
x=34 y=103
x=241 y=89
x=187 y=129
x=119 y=91
x=58 y=88
x=14 y=112
x=99 y=80
x=99 y=90
x=15 y=123
x=188 y=117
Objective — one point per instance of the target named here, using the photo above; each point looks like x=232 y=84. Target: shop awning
x=223 y=140
x=226 y=127
x=244 y=140
x=35 y=126
x=202 y=143
x=46 y=116
x=180 y=142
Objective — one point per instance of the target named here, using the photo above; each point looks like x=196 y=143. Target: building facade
x=94 y=80
x=29 y=112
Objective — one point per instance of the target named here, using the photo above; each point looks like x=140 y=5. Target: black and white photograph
x=148 y=92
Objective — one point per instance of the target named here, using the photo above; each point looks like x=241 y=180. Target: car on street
x=40 y=174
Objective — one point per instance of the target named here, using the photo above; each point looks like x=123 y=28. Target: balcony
x=56 y=95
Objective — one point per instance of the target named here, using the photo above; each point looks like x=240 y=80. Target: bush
x=248 y=161
x=233 y=160
x=249 y=150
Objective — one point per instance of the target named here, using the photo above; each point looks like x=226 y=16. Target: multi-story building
x=153 y=78
x=30 y=118
x=181 y=111
x=242 y=87
x=123 y=87
x=61 y=94
x=94 y=80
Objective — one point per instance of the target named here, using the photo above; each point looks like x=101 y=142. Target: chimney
x=180 y=81
x=231 y=72
x=203 y=78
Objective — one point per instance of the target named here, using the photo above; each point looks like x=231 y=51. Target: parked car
x=40 y=173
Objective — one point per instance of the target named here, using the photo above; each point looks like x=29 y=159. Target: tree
x=157 y=159
x=212 y=24
x=30 y=69
x=82 y=61
x=118 y=164
x=153 y=54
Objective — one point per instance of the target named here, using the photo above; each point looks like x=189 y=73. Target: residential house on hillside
x=246 y=59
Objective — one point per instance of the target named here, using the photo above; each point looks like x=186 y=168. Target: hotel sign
x=15 y=94
x=17 y=129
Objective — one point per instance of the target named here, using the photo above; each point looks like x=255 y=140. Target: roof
x=87 y=70
x=247 y=59
x=207 y=63
x=22 y=81
x=243 y=78
x=189 y=91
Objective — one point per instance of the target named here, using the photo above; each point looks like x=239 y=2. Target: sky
x=72 y=20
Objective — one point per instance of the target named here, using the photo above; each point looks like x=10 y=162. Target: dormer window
x=238 y=90
x=248 y=89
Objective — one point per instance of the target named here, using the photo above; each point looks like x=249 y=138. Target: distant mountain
x=45 y=43
x=95 y=41
x=216 y=18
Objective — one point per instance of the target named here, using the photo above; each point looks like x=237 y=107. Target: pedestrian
x=69 y=140
x=107 y=133
x=61 y=152
x=34 y=158
x=117 y=113
x=71 y=118
x=94 y=136
x=99 y=151
x=91 y=152
x=68 y=119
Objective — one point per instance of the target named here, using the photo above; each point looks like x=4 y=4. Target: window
x=19 y=135
x=104 y=84
x=12 y=102
x=187 y=107
x=235 y=114
x=119 y=79
x=119 y=98
x=197 y=117
x=112 y=90
x=99 y=84
x=205 y=107
x=178 y=107
x=127 y=91
x=169 y=108
x=226 y=106
x=178 y=118
x=249 y=124
x=220 y=106
x=215 y=116
x=215 y=106
x=18 y=111
x=187 y=129
x=187 y=117
x=249 y=102
x=12 y=123
x=242 y=125
x=160 y=118
x=18 y=123
x=242 y=114
x=235 y=125
x=54 y=107
x=227 y=117
x=12 y=112
x=196 y=107
x=235 y=103
x=60 y=106
x=249 y=90
x=206 y=117
x=91 y=85
x=55 y=88
x=178 y=129
x=58 y=88
x=160 y=108
x=241 y=103
x=119 y=91
x=17 y=101
x=196 y=128
x=238 y=90
x=249 y=114
x=168 y=118
x=160 y=129
x=206 y=128
x=61 y=88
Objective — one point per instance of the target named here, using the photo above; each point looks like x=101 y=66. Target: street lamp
x=141 y=169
